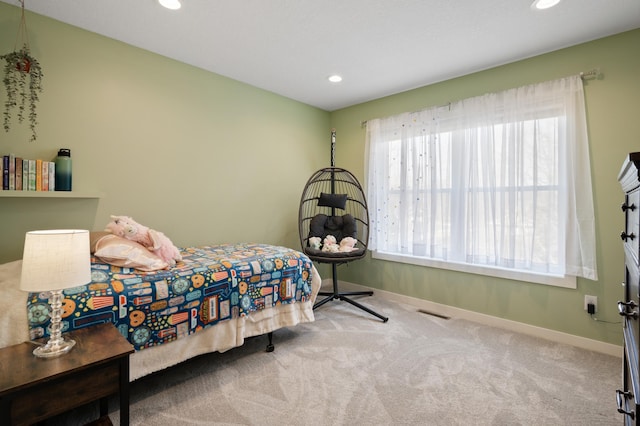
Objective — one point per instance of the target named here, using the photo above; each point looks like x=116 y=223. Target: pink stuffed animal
x=155 y=241
x=347 y=244
x=330 y=245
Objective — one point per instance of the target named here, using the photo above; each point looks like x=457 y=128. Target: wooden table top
x=94 y=345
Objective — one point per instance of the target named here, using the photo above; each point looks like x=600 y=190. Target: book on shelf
x=52 y=176
x=5 y=172
x=32 y=175
x=45 y=176
x=38 y=175
x=12 y=172
x=25 y=175
x=18 y=174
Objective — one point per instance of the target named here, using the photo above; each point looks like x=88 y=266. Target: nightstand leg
x=124 y=392
x=104 y=407
x=5 y=411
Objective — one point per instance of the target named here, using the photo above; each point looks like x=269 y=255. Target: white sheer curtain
x=501 y=180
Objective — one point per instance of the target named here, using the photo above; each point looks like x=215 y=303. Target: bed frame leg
x=270 y=346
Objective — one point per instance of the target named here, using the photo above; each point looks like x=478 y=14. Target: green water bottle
x=63 y=170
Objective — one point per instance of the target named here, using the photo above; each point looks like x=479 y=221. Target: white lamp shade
x=55 y=259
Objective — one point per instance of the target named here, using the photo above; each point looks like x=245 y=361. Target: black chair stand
x=344 y=296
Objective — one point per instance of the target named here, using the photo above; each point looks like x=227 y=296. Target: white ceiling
x=380 y=47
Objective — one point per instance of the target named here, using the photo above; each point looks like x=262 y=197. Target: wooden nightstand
x=33 y=389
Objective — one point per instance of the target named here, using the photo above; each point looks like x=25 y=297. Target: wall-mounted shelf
x=49 y=194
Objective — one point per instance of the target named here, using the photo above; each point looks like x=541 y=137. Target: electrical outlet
x=591 y=299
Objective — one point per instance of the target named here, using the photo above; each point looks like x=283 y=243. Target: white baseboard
x=453 y=312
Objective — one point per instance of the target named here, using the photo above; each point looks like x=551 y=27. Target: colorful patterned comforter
x=212 y=284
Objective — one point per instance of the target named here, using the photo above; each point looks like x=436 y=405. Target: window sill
x=553 y=280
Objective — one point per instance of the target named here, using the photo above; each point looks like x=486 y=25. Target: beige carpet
x=350 y=368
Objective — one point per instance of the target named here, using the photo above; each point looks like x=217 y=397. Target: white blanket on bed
x=221 y=337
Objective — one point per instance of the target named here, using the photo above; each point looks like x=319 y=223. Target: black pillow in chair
x=339 y=201
x=340 y=227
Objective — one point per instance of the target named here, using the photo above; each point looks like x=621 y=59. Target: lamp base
x=54 y=348
x=56 y=345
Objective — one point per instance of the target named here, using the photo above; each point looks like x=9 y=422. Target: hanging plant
x=22 y=80
x=23 y=83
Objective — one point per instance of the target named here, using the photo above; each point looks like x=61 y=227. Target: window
x=498 y=184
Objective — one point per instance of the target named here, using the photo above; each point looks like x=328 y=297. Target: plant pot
x=23 y=65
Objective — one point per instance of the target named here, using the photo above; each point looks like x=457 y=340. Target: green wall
x=613 y=108
x=207 y=159
x=201 y=157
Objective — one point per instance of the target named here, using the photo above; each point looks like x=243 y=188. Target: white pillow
x=125 y=253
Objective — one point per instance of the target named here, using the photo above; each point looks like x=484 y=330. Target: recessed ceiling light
x=170 y=4
x=544 y=4
x=335 y=78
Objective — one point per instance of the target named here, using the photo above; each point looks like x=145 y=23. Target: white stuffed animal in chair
x=315 y=242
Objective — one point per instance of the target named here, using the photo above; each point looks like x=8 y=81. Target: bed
x=211 y=301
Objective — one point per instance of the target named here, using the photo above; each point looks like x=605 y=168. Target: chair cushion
x=318 y=253
x=340 y=227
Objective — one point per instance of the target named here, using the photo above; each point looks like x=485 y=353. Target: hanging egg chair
x=333 y=225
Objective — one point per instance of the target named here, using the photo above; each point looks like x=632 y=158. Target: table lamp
x=54 y=260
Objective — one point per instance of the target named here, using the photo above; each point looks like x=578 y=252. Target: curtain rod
x=584 y=75
x=363 y=123
x=594 y=73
